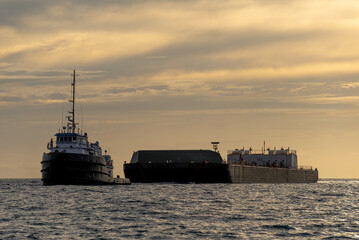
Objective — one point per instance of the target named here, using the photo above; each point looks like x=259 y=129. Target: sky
x=180 y=74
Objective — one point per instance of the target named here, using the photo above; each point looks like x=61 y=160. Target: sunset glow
x=180 y=74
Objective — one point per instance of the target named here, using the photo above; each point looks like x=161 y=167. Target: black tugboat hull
x=76 y=169
x=177 y=172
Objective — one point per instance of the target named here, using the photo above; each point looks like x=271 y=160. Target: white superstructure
x=284 y=158
x=109 y=163
x=74 y=143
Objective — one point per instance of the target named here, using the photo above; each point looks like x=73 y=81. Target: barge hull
x=177 y=172
x=216 y=173
x=255 y=174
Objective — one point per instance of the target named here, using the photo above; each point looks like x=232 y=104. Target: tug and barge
x=72 y=159
x=206 y=166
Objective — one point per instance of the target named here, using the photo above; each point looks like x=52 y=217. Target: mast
x=72 y=118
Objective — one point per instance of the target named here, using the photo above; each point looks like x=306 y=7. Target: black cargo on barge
x=182 y=166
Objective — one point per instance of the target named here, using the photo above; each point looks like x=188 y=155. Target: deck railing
x=306 y=167
x=278 y=152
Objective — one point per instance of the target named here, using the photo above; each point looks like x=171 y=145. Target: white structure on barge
x=284 y=158
x=268 y=166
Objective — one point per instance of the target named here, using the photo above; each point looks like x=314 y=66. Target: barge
x=207 y=166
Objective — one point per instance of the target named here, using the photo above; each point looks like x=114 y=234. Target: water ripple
x=326 y=210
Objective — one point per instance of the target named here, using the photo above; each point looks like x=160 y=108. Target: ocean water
x=328 y=209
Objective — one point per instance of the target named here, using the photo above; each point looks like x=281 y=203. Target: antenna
x=264 y=146
x=82 y=117
x=215 y=146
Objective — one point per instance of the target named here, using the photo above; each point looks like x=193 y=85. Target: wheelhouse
x=65 y=138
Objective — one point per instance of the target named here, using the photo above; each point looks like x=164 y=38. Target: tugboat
x=72 y=159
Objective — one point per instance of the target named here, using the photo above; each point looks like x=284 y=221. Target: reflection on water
x=326 y=210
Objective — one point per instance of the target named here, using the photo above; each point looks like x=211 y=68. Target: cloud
x=350 y=85
x=195 y=36
x=150 y=64
x=114 y=90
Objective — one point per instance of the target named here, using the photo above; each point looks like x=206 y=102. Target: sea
x=328 y=209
